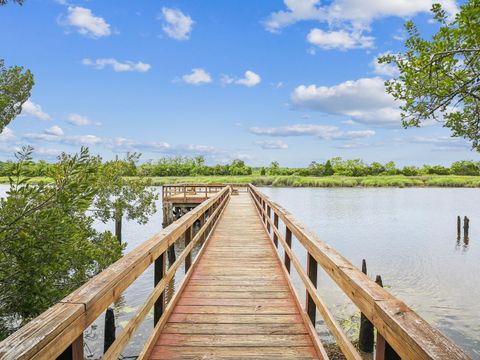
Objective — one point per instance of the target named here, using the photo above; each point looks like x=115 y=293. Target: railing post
x=275 y=224
x=288 y=240
x=159 y=271
x=202 y=222
x=109 y=330
x=263 y=213
x=74 y=351
x=188 y=239
x=366 y=334
x=312 y=266
x=383 y=350
x=269 y=216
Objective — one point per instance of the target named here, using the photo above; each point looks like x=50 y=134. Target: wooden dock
x=236 y=300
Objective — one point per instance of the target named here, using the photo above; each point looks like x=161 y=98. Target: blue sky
x=292 y=81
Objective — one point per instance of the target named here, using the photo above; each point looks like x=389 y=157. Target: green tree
x=274 y=168
x=15 y=87
x=329 y=168
x=440 y=78
x=48 y=245
x=118 y=196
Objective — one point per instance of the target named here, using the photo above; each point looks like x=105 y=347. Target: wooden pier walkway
x=237 y=303
x=236 y=300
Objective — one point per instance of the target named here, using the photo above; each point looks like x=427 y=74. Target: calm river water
x=406 y=235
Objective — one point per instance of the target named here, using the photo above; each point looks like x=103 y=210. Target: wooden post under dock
x=366 y=334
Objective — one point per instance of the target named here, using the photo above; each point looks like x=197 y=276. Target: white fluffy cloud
x=364 y=101
x=272 y=144
x=326 y=132
x=29 y=108
x=177 y=25
x=78 y=120
x=249 y=79
x=297 y=10
x=341 y=39
x=86 y=22
x=55 y=130
x=56 y=134
x=347 y=19
x=357 y=13
x=385 y=69
x=117 y=66
x=197 y=76
x=7 y=135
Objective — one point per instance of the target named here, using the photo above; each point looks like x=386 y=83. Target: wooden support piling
x=466 y=227
x=366 y=334
x=109 y=329
x=275 y=223
x=118 y=226
x=459 y=226
x=188 y=239
x=159 y=271
x=288 y=240
x=312 y=267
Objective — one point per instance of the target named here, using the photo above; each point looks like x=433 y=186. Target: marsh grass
x=400 y=181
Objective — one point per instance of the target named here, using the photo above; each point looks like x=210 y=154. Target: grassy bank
x=332 y=181
x=327 y=181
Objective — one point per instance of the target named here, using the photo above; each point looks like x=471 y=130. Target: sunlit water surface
x=408 y=236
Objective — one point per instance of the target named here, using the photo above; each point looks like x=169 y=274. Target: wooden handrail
x=408 y=334
x=51 y=333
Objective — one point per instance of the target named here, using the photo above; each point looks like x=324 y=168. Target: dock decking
x=237 y=303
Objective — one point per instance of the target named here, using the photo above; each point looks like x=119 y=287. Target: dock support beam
x=312 y=267
x=159 y=271
x=366 y=335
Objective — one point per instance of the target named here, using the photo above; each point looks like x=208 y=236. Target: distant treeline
x=195 y=166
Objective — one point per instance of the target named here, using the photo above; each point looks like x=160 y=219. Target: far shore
x=400 y=181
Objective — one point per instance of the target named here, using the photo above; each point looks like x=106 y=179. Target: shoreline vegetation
x=400 y=181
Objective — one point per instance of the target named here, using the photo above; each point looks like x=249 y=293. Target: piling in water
x=109 y=337
x=366 y=335
x=466 y=227
x=459 y=226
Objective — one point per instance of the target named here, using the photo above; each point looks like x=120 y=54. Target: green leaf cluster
x=15 y=87
x=440 y=78
x=48 y=244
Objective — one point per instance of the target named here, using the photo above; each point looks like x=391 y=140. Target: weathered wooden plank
x=235 y=302
x=237 y=329
x=226 y=309
x=179 y=352
x=233 y=340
